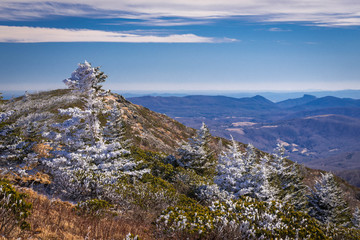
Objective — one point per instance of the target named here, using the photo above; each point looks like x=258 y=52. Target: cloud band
x=16 y=34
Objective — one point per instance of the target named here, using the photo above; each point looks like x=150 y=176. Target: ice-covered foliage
x=19 y=135
x=240 y=174
x=245 y=218
x=85 y=79
x=264 y=178
x=6 y=115
x=23 y=122
x=356 y=218
x=196 y=153
x=287 y=179
x=326 y=202
x=87 y=157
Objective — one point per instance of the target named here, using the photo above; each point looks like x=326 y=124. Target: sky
x=183 y=45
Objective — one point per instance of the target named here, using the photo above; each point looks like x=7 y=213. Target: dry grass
x=55 y=219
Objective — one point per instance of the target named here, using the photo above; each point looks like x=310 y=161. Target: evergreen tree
x=196 y=153
x=86 y=156
x=326 y=202
x=288 y=180
x=85 y=80
x=240 y=174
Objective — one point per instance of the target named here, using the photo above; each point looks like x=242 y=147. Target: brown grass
x=55 y=219
x=42 y=150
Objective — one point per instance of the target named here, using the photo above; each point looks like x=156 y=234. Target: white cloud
x=275 y=29
x=37 y=35
x=317 y=12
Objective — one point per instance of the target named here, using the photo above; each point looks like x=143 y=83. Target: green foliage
x=245 y=218
x=14 y=210
x=95 y=207
x=336 y=232
x=150 y=193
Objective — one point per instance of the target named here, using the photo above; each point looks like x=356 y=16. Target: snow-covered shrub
x=212 y=192
x=6 y=115
x=326 y=202
x=14 y=210
x=356 y=218
x=245 y=218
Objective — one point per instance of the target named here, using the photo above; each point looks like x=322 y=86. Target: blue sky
x=173 y=45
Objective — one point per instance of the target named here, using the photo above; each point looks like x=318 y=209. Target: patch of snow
x=237 y=130
x=243 y=124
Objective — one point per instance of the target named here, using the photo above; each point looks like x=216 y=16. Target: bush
x=14 y=210
x=245 y=218
x=95 y=207
x=150 y=193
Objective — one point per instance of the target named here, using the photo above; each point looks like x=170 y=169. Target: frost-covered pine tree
x=356 y=218
x=85 y=80
x=240 y=174
x=196 y=153
x=230 y=169
x=86 y=156
x=288 y=180
x=326 y=202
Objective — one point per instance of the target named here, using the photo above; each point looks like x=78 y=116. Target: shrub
x=14 y=210
x=150 y=193
x=95 y=207
x=245 y=218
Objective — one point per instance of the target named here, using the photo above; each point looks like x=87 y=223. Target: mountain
x=296 y=101
x=118 y=161
x=313 y=128
x=208 y=106
x=126 y=171
x=71 y=146
x=329 y=102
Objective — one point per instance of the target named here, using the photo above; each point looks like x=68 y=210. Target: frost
x=327 y=204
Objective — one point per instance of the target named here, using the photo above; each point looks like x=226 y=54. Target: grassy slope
x=56 y=219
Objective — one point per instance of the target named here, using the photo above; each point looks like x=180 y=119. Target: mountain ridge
x=147 y=130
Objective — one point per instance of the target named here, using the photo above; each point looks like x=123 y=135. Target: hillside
x=312 y=128
x=128 y=170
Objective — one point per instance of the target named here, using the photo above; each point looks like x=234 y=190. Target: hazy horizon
x=274 y=96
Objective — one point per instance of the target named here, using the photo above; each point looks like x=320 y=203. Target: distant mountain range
x=319 y=132
x=276 y=96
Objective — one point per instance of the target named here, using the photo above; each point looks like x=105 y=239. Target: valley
x=318 y=132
